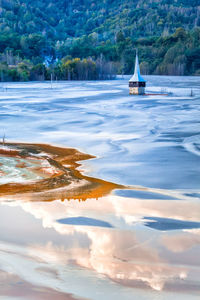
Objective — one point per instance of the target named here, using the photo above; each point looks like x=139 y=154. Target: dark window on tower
x=137 y=84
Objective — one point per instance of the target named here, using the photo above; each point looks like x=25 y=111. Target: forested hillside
x=70 y=36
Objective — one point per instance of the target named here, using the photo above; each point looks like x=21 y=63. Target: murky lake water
x=131 y=244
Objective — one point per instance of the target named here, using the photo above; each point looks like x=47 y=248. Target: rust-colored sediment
x=65 y=182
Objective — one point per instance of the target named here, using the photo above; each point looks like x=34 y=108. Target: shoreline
x=60 y=177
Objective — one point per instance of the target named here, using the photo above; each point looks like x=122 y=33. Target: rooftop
x=137 y=77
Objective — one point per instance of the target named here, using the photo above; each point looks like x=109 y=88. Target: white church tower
x=137 y=84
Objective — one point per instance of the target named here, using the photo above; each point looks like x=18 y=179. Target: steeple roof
x=137 y=77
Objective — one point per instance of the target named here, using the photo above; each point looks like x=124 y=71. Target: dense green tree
x=104 y=33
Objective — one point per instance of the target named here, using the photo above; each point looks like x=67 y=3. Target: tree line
x=66 y=69
x=86 y=58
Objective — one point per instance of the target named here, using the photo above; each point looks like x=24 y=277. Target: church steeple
x=137 y=83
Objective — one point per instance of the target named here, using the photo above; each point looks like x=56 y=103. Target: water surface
x=129 y=244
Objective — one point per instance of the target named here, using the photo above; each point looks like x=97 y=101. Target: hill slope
x=42 y=30
x=72 y=18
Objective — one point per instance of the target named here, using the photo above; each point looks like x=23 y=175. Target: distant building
x=137 y=83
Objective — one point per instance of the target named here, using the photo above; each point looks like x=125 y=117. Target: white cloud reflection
x=130 y=255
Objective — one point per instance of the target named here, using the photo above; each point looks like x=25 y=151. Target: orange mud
x=21 y=165
x=64 y=182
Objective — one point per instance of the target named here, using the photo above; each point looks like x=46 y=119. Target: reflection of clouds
x=118 y=254
x=12 y=284
x=120 y=208
x=37 y=273
x=54 y=267
x=183 y=241
x=176 y=209
x=121 y=255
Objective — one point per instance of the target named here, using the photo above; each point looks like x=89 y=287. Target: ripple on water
x=192 y=144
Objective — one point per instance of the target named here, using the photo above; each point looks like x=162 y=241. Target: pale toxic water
x=131 y=244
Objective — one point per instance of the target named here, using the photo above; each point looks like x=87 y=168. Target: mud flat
x=57 y=170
